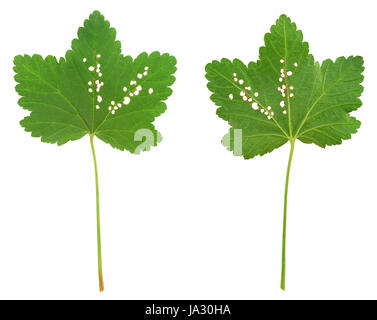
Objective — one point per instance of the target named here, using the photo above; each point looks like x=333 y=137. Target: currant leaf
x=95 y=90
x=286 y=95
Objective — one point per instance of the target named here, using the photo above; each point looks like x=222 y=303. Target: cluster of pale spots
x=96 y=80
x=134 y=89
x=286 y=90
x=247 y=95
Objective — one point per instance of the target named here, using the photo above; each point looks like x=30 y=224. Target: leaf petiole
x=100 y=275
x=282 y=283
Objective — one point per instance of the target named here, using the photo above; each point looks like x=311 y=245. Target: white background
x=187 y=220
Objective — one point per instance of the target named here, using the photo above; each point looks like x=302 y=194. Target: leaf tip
x=284 y=18
x=96 y=13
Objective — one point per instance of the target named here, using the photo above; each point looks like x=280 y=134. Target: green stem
x=100 y=277
x=282 y=283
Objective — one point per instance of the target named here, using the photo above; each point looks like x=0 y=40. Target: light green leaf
x=95 y=90
x=62 y=108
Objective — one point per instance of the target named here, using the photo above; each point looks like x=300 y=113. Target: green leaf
x=56 y=91
x=316 y=99
x=98 y=91
x=285 y=96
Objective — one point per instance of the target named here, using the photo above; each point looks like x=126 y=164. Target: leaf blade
x=38 y=86
x=306 y=100
x=339 y=94
x=143 y=108
x=84 y=92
